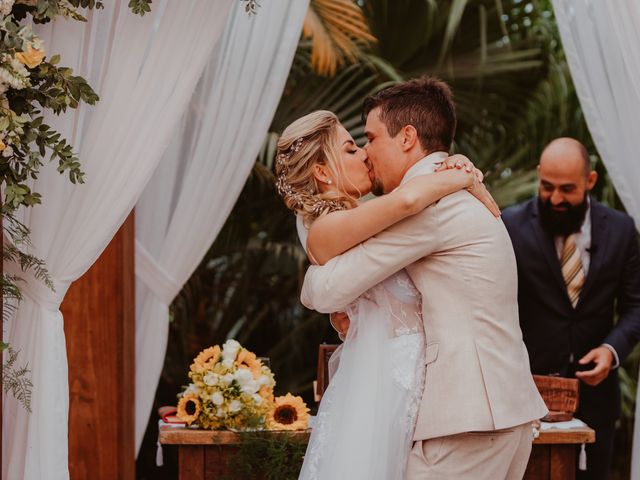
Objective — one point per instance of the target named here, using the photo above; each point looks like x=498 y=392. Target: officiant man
x=578 y=269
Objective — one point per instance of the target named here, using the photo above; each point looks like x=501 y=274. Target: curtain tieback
x=154 y=276
x=35 y=288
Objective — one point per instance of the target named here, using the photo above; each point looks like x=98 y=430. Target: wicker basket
x=560 y=395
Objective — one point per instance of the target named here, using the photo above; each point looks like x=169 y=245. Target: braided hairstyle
x=310 y=140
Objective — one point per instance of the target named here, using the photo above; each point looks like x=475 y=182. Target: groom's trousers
x=492 y=455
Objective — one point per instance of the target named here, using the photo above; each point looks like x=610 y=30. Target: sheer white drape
x=602 y=43
x=145 y=70
x=202 y=173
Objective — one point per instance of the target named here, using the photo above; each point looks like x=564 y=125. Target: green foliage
x=251 y=6
x=16 y=379
x=140 y=7
x=30 y=86
x=267 y=457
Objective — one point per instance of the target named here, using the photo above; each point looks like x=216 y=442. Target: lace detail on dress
x=314 y=455
x=379 y=380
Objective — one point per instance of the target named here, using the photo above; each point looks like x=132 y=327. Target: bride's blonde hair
x=310 y=140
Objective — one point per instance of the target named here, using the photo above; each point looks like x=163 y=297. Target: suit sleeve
x=330 y=288
x=626 y=333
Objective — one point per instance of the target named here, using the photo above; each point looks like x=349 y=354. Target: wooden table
x=554 y=453
x=203 y=454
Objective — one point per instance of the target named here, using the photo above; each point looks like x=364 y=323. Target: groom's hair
x=426 y=103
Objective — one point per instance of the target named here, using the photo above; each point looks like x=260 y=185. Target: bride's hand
x=460 y=161
x=457 y=161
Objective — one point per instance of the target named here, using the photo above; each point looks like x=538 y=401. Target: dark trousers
x=599 y=454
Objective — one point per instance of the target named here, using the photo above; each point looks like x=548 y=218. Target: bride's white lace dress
x=365 y=423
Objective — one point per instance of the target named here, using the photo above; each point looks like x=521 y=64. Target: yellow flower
x=247 y=359
x=266 y=392
x=188 y=408
x=288 y=413
x=31 y=57
x=2 y=146
x=206 y=359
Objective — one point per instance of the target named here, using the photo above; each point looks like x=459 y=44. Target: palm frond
x=338 y=32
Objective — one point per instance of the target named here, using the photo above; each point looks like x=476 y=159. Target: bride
x=365 y=422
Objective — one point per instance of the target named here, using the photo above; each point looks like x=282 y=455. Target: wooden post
x=99 y=322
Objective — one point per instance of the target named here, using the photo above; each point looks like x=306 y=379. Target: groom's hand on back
x=340 y=322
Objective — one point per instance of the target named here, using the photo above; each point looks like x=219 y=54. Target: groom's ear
x=409 y=137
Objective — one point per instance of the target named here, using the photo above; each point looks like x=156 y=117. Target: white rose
x=264 y=380
x=192 y=389
x=235 y=406
x=257 y=398
x=217 y=399
x=220 y=413
x=230 y=350
x=210 y=379
x=250 y=387
x=243 y=376
x=226 y=380
x=227 y=362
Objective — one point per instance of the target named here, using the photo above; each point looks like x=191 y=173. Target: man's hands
x=340 y=322
x=603 y=359
x=477 y=189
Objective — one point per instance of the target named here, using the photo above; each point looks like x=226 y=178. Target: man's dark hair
x=426 y=103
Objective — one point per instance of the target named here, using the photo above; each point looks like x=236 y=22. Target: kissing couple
x=433 y=378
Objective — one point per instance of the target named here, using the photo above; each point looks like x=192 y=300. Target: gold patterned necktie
x=572 y=271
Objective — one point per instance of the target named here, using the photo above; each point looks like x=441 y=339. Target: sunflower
x=188 y=408
x=205 y=359
x=288 y=413
x=247 y=359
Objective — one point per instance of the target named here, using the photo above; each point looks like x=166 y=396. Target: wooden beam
x=99 y=322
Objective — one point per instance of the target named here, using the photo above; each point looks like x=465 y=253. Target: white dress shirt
x=583 y=244
x=583 y=241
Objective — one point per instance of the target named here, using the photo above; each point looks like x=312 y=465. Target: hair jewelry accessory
x=286 y=190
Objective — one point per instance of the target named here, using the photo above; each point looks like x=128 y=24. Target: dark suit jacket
x=556 y=334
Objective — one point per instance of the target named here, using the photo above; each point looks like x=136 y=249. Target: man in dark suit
x=578 y=265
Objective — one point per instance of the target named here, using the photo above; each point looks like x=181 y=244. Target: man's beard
x=562 y=223
x=377 y=188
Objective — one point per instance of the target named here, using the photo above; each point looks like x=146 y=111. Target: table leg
x=539 y=463
x=191 y=462
x=216 y=462
x=563 y=462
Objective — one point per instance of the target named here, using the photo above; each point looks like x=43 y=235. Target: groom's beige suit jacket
x=461 y=259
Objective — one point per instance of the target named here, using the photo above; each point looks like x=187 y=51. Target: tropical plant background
x=513 y=90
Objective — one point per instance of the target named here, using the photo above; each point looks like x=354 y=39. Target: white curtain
x=602 y=42
x=202 y=173
x=145 y=70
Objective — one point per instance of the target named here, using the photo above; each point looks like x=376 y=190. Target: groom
x=479 y=398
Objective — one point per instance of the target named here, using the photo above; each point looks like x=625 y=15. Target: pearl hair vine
x=287 y=191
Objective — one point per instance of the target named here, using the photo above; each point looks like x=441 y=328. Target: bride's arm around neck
x=337 y=232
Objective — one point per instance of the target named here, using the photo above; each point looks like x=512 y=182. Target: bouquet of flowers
x=231 y=389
